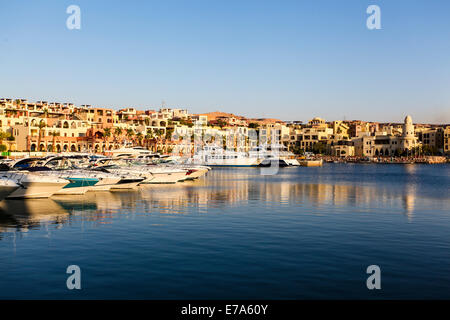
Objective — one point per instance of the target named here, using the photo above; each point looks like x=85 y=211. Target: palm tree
x=45 y=113
x=41 y=126
x=54 y=134
x=117 y=134
x=106 y=135
x=139 y=137
x=118 y=131
x=130 y=133
x=3 y=136
x=169 y=132
x=148 y=137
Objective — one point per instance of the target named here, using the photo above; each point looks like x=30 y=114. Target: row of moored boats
x=76 y=175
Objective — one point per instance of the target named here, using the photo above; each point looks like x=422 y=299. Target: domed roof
x=408 y=119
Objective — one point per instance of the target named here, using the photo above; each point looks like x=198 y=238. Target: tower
x=408 y=139
x=408 y=128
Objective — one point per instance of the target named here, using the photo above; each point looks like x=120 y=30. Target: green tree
x=106 y=135
x=130 y=133
x=139 y=137
x=148 y=137
x=54 y=134
x=169 y=132
x=41 y=126
x=319 y=148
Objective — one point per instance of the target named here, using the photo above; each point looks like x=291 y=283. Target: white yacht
x=152 y=173
x=217 y=156
x=82 y=180
x=33 y=185
x=193 y=171
x=163 y=174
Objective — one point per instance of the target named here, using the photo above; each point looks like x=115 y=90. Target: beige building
x=387 y=145
x=317 y=131
x=343 y=148
x=447 y=140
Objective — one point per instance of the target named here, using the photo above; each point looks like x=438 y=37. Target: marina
x=238 y=234
x=224 y=159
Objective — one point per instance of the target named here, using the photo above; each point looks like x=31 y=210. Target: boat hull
x=33 y=190
x=197 y=173
x=105 y=184
x=7 y=190
x=77 y=186
x=166 y=177
x=126 y=184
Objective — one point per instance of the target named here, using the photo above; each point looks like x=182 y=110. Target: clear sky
x=291 y=60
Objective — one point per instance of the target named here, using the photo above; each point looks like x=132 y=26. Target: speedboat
x=163 y=175
x=192 y=172
x=79 y=181
x=106 y=181
x=128 y=179
x=83 y=180
x=78 y=184
x=7 y=186
x=33 y=185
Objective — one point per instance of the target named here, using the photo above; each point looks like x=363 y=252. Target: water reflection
x=16 y=215
x=244 y=189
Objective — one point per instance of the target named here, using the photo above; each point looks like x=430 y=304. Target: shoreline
x=382 y=160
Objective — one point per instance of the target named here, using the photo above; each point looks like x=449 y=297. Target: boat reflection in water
x=23 y=215
x=224 y=189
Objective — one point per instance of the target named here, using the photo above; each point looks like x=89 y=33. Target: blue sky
x=291 y=60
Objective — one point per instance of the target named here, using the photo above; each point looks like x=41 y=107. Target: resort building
x=383 y=144
x=57 y=127
x=447 y=140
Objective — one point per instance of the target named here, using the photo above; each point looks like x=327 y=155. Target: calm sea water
x=236 y=234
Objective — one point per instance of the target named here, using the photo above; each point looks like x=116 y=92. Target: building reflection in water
x=219 y=190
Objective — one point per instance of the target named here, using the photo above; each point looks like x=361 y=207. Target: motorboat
x=128 y=179
x=33 y=185
x=151 y=172
x=162 y=175
x=82 y=180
